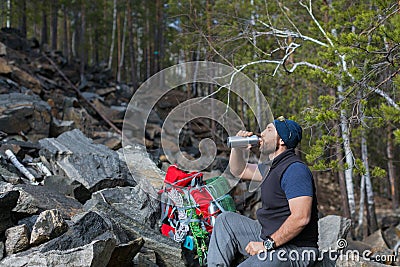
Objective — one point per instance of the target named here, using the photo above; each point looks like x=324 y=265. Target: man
x=286 y=230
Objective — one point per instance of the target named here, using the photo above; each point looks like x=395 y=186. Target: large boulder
x=24 y=113
x=97 y=254
x=332 y=233
x=168 y=252
x=35 y=199
x=87 y=229
x=131 y=201
x=124 y=254
x=77 y=158
x=142 y=167
x=332 y=230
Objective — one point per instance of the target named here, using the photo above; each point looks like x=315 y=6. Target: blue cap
x=289 y=131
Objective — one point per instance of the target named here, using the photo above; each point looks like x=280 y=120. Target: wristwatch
x=269 y=244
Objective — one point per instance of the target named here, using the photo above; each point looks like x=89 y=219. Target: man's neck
x=277 y=152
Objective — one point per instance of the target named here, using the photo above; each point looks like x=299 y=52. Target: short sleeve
x=297 y=181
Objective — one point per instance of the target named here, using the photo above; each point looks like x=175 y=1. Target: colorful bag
x=190 y=206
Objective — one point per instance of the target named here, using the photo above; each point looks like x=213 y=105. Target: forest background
x=331 y=65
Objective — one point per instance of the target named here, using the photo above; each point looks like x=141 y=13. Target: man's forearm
x=289 y=230
x=237 y=164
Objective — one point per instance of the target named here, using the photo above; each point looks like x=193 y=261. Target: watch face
x=268 y=244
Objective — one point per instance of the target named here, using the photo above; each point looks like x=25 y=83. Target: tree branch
x=287 y=33
x=309 y=10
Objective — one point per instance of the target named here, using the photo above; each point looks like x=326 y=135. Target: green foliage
x=397 y=136
x=378 y=172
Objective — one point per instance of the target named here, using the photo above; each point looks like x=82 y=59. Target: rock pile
x=89 y=212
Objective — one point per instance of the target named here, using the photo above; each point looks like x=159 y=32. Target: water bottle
x=240 y=141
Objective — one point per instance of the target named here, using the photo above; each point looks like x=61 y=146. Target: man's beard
x=269 y=148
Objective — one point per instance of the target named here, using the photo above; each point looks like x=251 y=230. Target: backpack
x=189 y=207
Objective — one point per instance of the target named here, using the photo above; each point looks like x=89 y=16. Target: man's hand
x=254 y=248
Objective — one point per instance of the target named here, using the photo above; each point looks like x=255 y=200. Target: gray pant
x=231 y=234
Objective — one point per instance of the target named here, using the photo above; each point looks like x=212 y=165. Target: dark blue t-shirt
x=296 y=180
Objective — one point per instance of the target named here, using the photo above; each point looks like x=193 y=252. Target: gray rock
x=29 y=222
x=124 y=254
x=9 y=177
x=169 y=253
x=88 y=228
x=332 y=233
x=389 y=221
x=131 y=201
x=375 y=240
x=49 y=224
x=26 y=113
x=77 y=158
x=96 y=254
x=392 y=236
x=146 y=257
x=142 y=168
x=357 y=263
x=67 y=187
x=17 y=239
x=3 y=49
x=332 y=228
x=35 y=199
x=58 y=127
x=8 y=201
x=1 y=250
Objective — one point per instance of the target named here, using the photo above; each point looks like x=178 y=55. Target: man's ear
x=281 y=142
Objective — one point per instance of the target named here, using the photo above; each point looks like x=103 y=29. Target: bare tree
x=82 y=43
x=54 y=24
x=132 y=54
x=392 y=169
x=66 y=41
x=121 y=60
x=23 y=18
x=44 y=39
x=114 y=28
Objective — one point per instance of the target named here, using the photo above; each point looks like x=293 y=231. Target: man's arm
x=300 y=208
x=240 y=168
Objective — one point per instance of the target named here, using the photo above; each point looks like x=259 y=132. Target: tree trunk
x=342 y=183
x=132 y=55
x=148 y=48
x=82 y=43
x=348 y=157
x=118 y=44
x=113 y=34
x=9 y=14
x=54 y=24
x=76 y=34
x=44 y=39
x=23 y=18
x=394 y=186
x=65 y=34
x=359 y=227
x=121 y=61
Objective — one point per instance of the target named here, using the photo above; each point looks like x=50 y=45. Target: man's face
x=269 y=139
